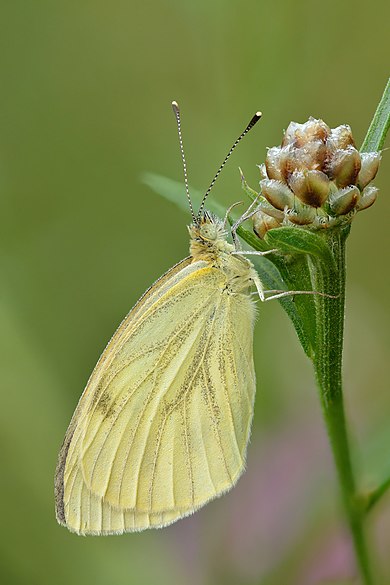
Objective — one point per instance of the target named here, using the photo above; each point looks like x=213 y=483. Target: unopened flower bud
x=341 y=137
x=300 y=134
x=263 y=222
x=317 y=154
x=345 y=166
x=310 y=157
x=275 y=163
x=369 y=168
x=316 y=177
x=270 y=210
x=301 y=215
x=263 y=171
x=343 y=201
x=277 y=193
x=291 y=133
x=312 y=187
x=368 y=197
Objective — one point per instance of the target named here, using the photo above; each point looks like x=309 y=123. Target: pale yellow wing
x=163 y=424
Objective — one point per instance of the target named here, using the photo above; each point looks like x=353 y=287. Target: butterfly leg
x=291 y=293
x=225 y=221
x=252 y=209
x=228 y=212
x=280 y=294
x=253 y=252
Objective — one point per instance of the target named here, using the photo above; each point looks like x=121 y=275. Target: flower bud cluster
x=316 y=178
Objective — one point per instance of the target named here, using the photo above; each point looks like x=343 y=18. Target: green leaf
x=300 y=241
x=376 y=134
x=296 y=273
x=174 y=191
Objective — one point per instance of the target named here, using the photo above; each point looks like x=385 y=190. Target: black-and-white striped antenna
x=176 y=111
x=253 y=121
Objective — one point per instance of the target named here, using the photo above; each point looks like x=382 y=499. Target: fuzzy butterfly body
x=163 y=424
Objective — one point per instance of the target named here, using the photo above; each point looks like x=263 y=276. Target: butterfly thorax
x=208 y=243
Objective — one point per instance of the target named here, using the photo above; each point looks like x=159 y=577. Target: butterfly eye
x=208 y=232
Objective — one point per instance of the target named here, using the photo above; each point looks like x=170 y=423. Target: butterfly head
x=208 y=228
x=208 y=237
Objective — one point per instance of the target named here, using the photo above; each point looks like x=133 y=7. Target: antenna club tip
x=254 y=120
x=175 y=106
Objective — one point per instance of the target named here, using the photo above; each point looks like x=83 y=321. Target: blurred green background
x=85 y=109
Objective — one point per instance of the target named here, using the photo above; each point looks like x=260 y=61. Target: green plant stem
x=328 y=368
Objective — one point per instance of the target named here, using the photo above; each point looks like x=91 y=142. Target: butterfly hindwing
x=164 y=422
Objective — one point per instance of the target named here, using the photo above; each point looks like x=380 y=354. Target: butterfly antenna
x=253 y=121
x=176 y=111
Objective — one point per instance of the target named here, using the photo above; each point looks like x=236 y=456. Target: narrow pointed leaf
x=376 y=134
x=174 y=191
